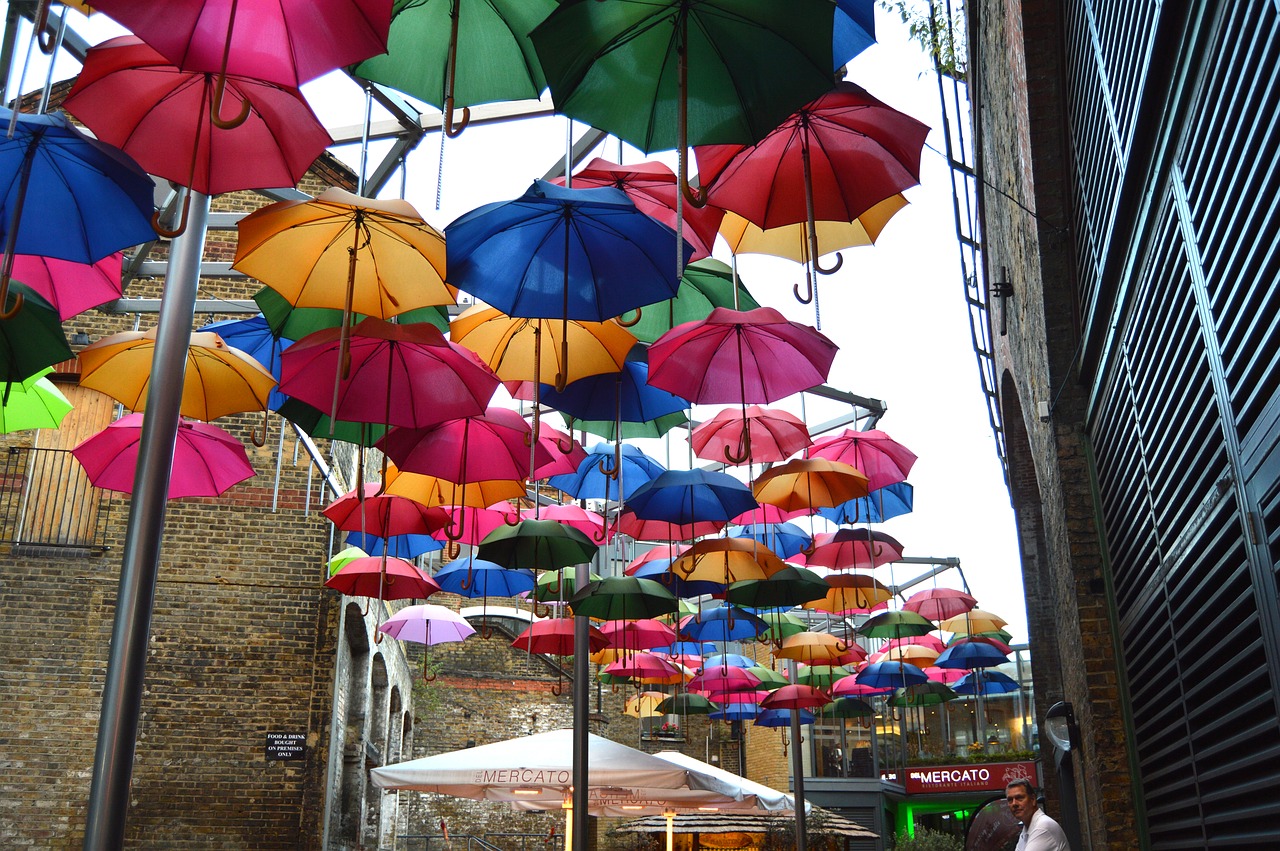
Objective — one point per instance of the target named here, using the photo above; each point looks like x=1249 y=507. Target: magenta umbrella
x=406 y=375
x=469 y=525
x=773 y=436
x=661 y=530
x=643 y=634
x=883 y=460
x=206 y=460
x=72 y=288
x=938 y=604
x=847 y=549
x=383 y=515
x=585 y=521
x=642 y=666
x=493 y=445
x=566 y=453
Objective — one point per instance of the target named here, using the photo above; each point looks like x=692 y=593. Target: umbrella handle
x=599 y=538
x=842 y=646
x=744 y=445
x=428 y=675
x=462 y=528
x=466 y=581
x=808 y=550
x=41 y=22
x=454 y=549
x=611 y=473
x=557 y=689
x=628 y=323
x=19 y=298
x=807 y=298
x=215 y=106
x=253 y=433
x=447 y=125
x=545 y=613
x=836 y=268
x=182 y=221
x=565 y=450
x=511 y=519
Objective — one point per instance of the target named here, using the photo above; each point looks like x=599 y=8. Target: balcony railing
x=47 y=503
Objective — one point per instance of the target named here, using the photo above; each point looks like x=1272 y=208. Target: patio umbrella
x=400 y=546
x=704 y=285
x=938 y=604
x=34 y=402
x=687 y=496
x=132 y=97
x=849 y=549
x=770 y=435
x=406 y=375
x=652 y=187
x=788 y=587
x=727 y=560
x=877 y=506
x=537 y=544
x=387 y=578
x=458 y=53
x=785 y=539
x=287 y=42
x=875 y=454
x=71 y=287
x=30 y=341
x=383 y=514
x=622 y=598
x=219 y=380
x=804 y=484
x=206 y=461
x=294 y=323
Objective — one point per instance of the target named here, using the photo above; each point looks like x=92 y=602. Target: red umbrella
x=643 y=666
x=770 y=435
x=406 y=375
x=643 y=634
x=878 y=456
x=832 y=160
x=555 y=638
x=72 y=288
x=938 y=604
x=386 y=579
x=131 y=97
x=383 y=515
x=283 y=41
x=847 y=549
x=796 y=697
x=206 y=460
x=652 y=187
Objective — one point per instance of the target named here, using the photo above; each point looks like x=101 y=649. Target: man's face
x=1021 y=804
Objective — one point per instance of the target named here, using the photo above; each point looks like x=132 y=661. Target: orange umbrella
x=807 y=484
x=791 y=241
x=726 y=560
x=433 y=491
x=812 y=648
x=851 y=592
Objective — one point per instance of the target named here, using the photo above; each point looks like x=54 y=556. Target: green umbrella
x=705 y=285
x=781 y=624
x=537 y=544
x=33 y=403
x=456 y=53
x=687 y=704
x=294 y=323
x=316 y=423
x=896 y=624
x=32 y=339
x=847 y=707
x=790 y=586
x=630 y=431
x=924 y=694
x=558 y=584
x=623 y=598
x=822 y=676
x=768 y=677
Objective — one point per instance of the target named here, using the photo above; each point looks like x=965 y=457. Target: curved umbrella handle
x=182 y=221
x=611 y=473
x=41 y=23
x=629 y=323
x=865 y=721
x=462 y=528
x=215 y=106
x=253 y=433
x=817 y=267
x=545 y=613
x=18 y=299
x=511 y=519
x=842 y=646
x=600 y=537
x=467 y=580
x=807 y=298
x=453 y=550
x=428 y=675
x=744 y=446
x=448 y=126
x=561 y=382
x=565 y=450
x=486 y=631
x=558 y=688
x=695 y=197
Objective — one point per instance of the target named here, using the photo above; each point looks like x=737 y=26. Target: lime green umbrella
x=294 y=323
x=608 y=429
x=705 y=285
x=33 y=403
x=781 y=624
x=349 y=554
x=768 y=677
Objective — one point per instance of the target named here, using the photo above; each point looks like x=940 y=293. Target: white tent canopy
x=767 y=799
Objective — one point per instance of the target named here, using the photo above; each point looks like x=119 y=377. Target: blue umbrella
x=891 y=675
x=985 y=683
x=737 y=712
x=687 y=496
x=659 y=570
x=876 y=507
x=729 y=660
x=474 y=577
x=401 y=546
x=723 y=623
x=624 y=396
x=781 y=718
x=971 y=653
x=687 y=648
x=854 y=29
x=557 y=253
x=66 y=195
x=785 y=539
x=253 y=336
x=592 y=481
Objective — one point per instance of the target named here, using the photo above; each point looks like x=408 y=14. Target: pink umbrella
x=587 y=522
x=945 y=675
x=847 y=549
x=938 y=604
x=383 y=515
x=660 y=530
x=879 y=457
x=566 y=453
x=643 y=634
x=849 y=687
x=766 y=513
x=929 y=640
x=470 y=525
x=385 y=579
x=206 y=460
x=406 y=375
x=724 y=679
x=774 y=436
x=655 y=553
x=796 y=697
x=72 y=288
x=426 y=624
x=643 y=666
x=468 y=449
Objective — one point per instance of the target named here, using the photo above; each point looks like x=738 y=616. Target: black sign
x=286 y=746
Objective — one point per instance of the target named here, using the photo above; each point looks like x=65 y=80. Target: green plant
x=926 y=839
x=939 y=32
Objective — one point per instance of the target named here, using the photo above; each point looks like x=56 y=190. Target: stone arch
x=375 y=748
x=394 y=753
x=353 y=707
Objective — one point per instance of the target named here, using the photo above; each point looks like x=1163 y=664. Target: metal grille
x=46 y=501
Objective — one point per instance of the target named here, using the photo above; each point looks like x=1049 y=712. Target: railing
x=46 y=501
x=471 y=842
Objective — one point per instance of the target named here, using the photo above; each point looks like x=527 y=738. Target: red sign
x=972 y=777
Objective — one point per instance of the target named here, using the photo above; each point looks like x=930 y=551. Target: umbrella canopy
x=653 y=188
x=659 y=571
x=623 y=598
x=470 y=525
x=971 y=653
x=848 y=549
x=851 y=592
x=812 y=648
x=32 y=403
x=206 y=460
x=687 y=496
x=804 y=484
x=400 y=546
x=294 y=323
x=785 y=539
x=847 y=707
x=427 y=624
x=559 y=584
x=791 y=242
x=746 y=356
x=588 y=522
x=475 y=577
x=385 y=579
x=643 y=667
x=219 y=380
x=890 y=675
x=286 y=42
x=434 y=491
x=654 y=428
x=917 y=654
x=972 y=621
x=788 y=587
x=704 y=285
x=879 y=457
x=923 y=694
x=896 y=624
x=822 y=676
x=796 y=697
x=877 y=506
x=493 y=445
x=727 y=560
x=594 y=479
x=781 y=624
x=317 y=423
x=645 y=704
x=556 y=638
x=781 y=717
x=520 y=349
x=557 y=253
x=661 y=530
x=538 y=545
x=642 y=634
x=723 y=623
x=985 y=683
x=939 y=604
x=71 y=287
x=759 y=434
x=724 y=679
x=253 y=336
x=849 y=687
x=132 y=97
x=31 y=340
x=687 y=704
x=344 y=556
x=383 y=514
x=625 y=396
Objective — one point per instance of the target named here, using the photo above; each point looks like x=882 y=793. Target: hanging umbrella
x=564 y=461
x=971 y=653
x=687 y=496
x=781 y=625
x=406 y=375
x=659 y=571
x=890 y=675
x=831 y=160
x=822 y=676
x=922 y=694
x=896 y=624
x=973 y=621
x=382 y=578
x=854 y=29
x=622 y=598
x=877 y=456
x=537 y=544
x=645 y=705
x=665 y=554
x=624 y=396
x=346 y=555
x=791 y=242
x=849 y=687
x=641 y=634
x=877 y=506
x=286 y=42
x=458 y=53
x=579 y=518
x=946 y=676
x=796 y=697
x=704 y=285
x=32 y=403
x=847 y=707
x=916 y=654
x=555 y=638
x=294 y=323
x=781 y=717
x=470 y=525
x=770 y=679
x=132 y=97
x=729 y=660
x=723 y=623
x=736 y=712
x=661 y=530
x=812 y=648
x=788 y=587
x=30 y=341
x=71 y=287
x=400 y=546
x=67 y=196
x=938 y=604
x=727 y=560
x=687 y=704
x=383 y=514
x=772 y=435
x=427 y=624
x=723 y=679
x=316 y=423
x=556 y=585
x=594 y=478
x=848 y=549
x=492 y=445
x=785 y=539
x=850 y=593
x=806 y=484
x=433 y=491
x=652 y=429
x=642 y=667
x=652 y=187
x=985 y=683
x=253 y=337
x=219 y=380
x=206 y=461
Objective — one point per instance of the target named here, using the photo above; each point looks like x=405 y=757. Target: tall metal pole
x=581 y=714
x=126 y=662
x=797 y=773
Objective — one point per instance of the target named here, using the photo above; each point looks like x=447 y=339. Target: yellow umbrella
x=644 y=704
x=220 y=380
x=806 y=484
x=812 y=648
x=850 y=592
x=791 y=242
x=974 y=620
x=432 y=491
x=913 y=654
x=726 y=560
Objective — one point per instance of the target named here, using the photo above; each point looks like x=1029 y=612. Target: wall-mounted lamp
x=1060 y=726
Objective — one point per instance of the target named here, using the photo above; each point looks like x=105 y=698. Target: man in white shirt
x=1039 y=832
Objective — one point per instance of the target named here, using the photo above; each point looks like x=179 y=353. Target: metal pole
x=126 y=662
x=581 y=712
x=797 y=772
